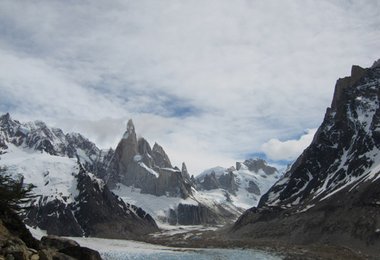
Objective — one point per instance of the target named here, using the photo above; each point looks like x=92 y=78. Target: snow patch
x=53 y=176
x=151 y=171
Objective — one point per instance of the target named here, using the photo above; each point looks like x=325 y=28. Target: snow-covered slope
x=198 y=208
x=53 y=176
x=241 y=187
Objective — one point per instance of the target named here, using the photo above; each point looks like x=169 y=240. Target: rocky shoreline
x=17 y=243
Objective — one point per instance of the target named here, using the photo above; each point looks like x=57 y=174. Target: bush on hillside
x=14 y=194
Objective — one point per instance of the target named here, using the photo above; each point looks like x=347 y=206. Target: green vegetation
x=14 y=194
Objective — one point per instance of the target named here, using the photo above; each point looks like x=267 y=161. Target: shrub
x=14 y=194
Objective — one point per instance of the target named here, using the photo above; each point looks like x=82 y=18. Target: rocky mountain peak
x=160 y=157
x=255 y=165
x=376 y=64
x=357 y=73
x=184 y=171
x=184 y=168
x=5 y=117
x=38 y=136
x=330 y=194
x=137 y=164
x=144 y=147
x=7 y=124
x=130 y=130
x=127 y=148
x=344 y=147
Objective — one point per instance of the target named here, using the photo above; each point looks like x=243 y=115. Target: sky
x=212 y=81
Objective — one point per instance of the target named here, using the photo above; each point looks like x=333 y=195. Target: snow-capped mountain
x=144 y=175
x=139 y=174
x=136 y=164
x=70 y=200
x=242 y=186
x=345 y=150
x=38 y=136
x=331 y=194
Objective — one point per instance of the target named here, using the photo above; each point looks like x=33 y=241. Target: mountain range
x=124 y=192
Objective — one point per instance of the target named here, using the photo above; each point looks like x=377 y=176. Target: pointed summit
x=130 y=126
x=185 y=173
x=130 y=129
x=125 y=152
x=184 y=168
x=160 y=158
x=5 y=118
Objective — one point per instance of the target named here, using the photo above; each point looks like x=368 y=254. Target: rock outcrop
x=190 y=214
x=16 y=242
x=331 y=193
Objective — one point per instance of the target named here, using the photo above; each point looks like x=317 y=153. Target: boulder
x=82 y=253
x=57 y=242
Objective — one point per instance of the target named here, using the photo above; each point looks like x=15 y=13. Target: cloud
x=288 y=150
x=209 y=80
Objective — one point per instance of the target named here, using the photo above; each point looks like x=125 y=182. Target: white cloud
x=288 y=150
x=209 y=80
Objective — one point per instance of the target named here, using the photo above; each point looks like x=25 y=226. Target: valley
x=132 y=202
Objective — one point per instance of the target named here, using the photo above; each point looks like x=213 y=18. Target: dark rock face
x=185 y=173
x=330 y=194
x=56 y=217
x=210 y=182
x=125 y=151
x=160 y=158
x=255 y=165
x=186 y=214
x=253 y=188
x=228 y=182
x=95 y=212
x=102 y=213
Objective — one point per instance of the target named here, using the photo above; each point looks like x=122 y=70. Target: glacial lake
x=113 y=249
x=117 y=249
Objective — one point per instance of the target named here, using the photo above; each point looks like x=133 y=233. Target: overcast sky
x=211 y=81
